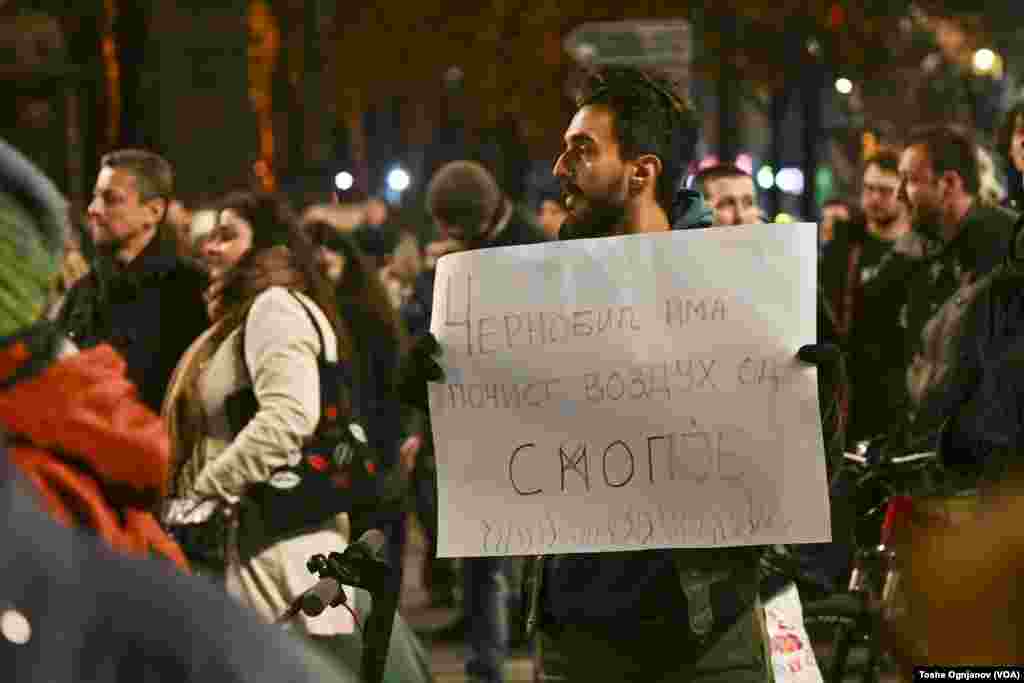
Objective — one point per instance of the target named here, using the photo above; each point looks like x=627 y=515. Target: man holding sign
x=650 y=614
x=632 y=414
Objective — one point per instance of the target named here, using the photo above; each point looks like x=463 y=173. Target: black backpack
x=337 y=472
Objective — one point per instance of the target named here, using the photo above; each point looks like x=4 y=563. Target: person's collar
x=159 y=255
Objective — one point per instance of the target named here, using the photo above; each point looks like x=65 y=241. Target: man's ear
x=157 y=207
x=646 y=170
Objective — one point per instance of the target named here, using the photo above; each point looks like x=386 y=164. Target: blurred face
x=950 y=37
x=593 y=176
x=551 y=215
x=733 y=201
x=1017 y=144
x=223 y=248
x=880 y=196
x=117 y=214
x=920 y=188
x=376 y=212
x=830 y=215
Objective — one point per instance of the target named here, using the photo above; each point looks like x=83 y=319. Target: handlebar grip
x=315 y=600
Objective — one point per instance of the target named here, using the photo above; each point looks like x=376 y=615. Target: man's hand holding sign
x=629 y=393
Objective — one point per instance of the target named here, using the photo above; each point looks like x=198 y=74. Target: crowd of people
x=165 y=364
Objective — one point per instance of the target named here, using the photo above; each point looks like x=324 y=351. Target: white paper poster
x=629 y=393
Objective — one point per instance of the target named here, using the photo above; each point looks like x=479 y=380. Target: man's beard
x=883 y=220
x=599 y=218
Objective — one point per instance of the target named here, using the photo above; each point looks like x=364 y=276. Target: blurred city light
x=824 y=184
x=790 y=180
x=745 y=163
x=766 y=177
x=844 y=86
x=344 y=181
x=984 y=60
x=398 y=179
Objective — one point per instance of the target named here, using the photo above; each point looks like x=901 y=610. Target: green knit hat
x=33 y=226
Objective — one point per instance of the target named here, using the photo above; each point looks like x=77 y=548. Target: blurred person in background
x=865 y=296
x=140 y=296
x=729 y=191
x=470 y=212
x=832 y=211
x=941 y=181
x=97 y=457
x=1010 y=147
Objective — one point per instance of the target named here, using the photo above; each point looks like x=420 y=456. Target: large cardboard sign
x=629 y=393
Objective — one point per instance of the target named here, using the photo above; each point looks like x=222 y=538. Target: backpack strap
x=312 y=319
x=316 y=326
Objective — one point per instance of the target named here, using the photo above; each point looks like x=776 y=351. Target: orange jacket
x=97 y=455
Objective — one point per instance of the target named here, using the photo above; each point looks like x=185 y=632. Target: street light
x=766 y=177
x=984 y=60
x=844 y=86
x=398 y=179
x=790 y=180
x=344 y=181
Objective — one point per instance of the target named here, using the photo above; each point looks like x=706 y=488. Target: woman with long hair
x=378 y=342
x=270 y=307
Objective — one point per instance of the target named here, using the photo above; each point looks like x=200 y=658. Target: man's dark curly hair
x=650 y=117
x=950 y=148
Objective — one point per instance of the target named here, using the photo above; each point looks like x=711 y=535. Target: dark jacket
x=613 y=591
x=95 y=615
x=149 y=311
x=980 y=395
x=521 y=229
x=938 y=297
